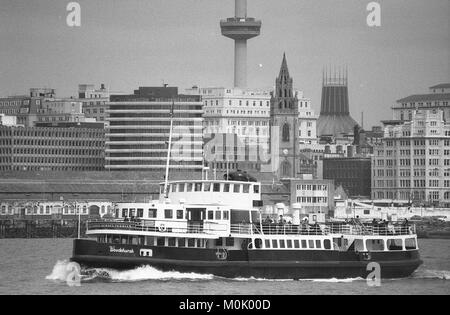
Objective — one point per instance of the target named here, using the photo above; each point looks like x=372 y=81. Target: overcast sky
x=126 y=44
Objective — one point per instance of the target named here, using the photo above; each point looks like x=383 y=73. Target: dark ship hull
x=265 y=264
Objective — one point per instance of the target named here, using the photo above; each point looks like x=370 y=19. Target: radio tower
x=240 y=28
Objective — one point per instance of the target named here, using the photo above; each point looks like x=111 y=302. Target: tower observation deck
x=240 y=28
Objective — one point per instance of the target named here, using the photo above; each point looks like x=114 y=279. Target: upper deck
x=234 y=194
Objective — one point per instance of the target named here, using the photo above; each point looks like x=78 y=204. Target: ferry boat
x=217 y=227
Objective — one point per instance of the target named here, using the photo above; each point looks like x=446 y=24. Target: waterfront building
x=94 y=101
x=236 y=128
x=352 y=173
x=139 y=126
x=52 y=148
x=307 y=121
x=312 y=195
x=38 y=210
x=438 y=98
x=413 y=161
x=42 y=106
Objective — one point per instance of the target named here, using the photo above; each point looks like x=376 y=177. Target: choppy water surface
x=39 y=266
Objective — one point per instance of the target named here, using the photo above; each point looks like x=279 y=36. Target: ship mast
x=166 y=183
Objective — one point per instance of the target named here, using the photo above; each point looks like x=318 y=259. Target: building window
x=285 y=133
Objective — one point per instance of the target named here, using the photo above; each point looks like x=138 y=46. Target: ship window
x=246 y=188
x=256 y=189
x=116 y=239
x=311 y=243
x=219 y=242
x=191 y=242
x=198 y=186
x=267 y=243
x=282 y=244
x=237 y=188
x=173 y=188
x=168 y=214
x=289 y=243
x=124 y=240
x=225 y=215
x=216 y=187
x=199 y=243
x=152 y=213
x=150 y=241
x=327 y=244
x=229 y=241
x=258 y=243
x=181 y=242
x=304 y=244
x=210 y=215
x=394 y=244
x=181 y=187
x=274 y=243
x=207 y=187
x=132 y=213
x=218 y=217
x=135 y=240
x=161 y=241
x=226 y=188
x=172 y=242
x=140 y=213
x=374 y=245
x=124 y=213
x=179 y=214
x=189 y=187
x=410 y=243
x=296 y=244
x=318 y=244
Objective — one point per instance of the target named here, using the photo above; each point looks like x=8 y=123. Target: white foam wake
x=432 y=274
x=151 y=273
x=63 y=269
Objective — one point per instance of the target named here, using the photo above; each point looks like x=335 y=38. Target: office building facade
x=139 y=127
x=51 y=149
x=413 y=162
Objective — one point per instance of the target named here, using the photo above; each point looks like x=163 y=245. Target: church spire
x=284 y=71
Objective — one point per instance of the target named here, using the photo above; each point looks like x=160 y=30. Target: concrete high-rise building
x=413 y=161
x=139 y=127
x=438 y=98
x=240 y=28
x=74 y=148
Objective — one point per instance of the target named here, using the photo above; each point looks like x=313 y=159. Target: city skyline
x=115 y=45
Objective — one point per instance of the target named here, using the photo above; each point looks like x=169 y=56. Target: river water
x=39 y=266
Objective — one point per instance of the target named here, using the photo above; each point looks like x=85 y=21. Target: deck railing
x=213 y=228
x=161 y=226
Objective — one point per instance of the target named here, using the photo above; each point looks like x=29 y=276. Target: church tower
x=284 y=124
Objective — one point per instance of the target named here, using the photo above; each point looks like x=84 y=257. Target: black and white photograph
x=215 y=149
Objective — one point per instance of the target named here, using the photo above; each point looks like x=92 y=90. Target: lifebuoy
x=162 y=228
